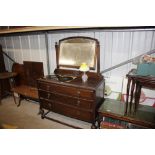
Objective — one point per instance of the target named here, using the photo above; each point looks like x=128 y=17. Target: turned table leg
x=132 y=94
x=127 y=95
x=137 y=96
x=42 y=113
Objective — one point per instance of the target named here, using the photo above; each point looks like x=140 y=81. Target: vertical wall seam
x=111 y=52
x=13 y=49
x=30 y=47
x=8 y=61
x=152 y=41
x=104 y=46
x=47 y=51
x=130 y=48
x=39 y=47
x=21 y=48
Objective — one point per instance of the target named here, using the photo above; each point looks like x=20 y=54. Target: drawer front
x=86 y=104
x=74 y=113
x=58 y=88
x=45 y=104
x=45 y=95
x=87 y=94
x=70 y=91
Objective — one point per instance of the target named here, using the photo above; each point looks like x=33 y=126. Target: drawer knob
x=48 y=96
x=78 y=112
x=78 y=92
x=78 y=102
x=48 y=87
x=49 y=105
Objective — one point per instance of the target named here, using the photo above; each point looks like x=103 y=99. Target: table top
x=7 y=75
x=145 y=81
x=144 y=116
x=141 y=77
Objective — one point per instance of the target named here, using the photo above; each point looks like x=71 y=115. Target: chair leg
x=18 y=104
x=20 y=99
x=14 y=98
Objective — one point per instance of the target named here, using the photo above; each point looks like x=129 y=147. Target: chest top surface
x=92 y=83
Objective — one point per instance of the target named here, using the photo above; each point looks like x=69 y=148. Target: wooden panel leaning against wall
x=26 y=80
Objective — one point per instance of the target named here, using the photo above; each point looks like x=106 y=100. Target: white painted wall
x=24 y=48
x=115 y=47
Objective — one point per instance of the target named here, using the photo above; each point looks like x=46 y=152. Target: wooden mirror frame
x=97 y=53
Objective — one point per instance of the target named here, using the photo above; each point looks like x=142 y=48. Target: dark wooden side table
x=144 y=117
x=4 y=76
x=134 y=85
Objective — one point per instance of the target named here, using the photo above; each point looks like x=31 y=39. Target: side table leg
x=132 y=92
x=93 y=126
x=127 y=95
x=137 y=97
x=99 y=120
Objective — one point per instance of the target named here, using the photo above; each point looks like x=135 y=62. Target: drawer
x=45 y=104
x=73 y=101
x=58 y=88
x=87 y=94
x=72 y=112
x=70 y=91
x=45 y=95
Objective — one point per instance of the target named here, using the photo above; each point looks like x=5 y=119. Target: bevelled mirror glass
x=74 y=51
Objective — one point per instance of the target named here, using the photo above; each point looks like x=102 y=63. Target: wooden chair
x=25 y=82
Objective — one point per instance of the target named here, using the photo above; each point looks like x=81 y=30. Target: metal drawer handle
x=48 y=96
x=78 y=112
x=78 y=102
x=48 y=87
x=78 y=92
x=49 y=105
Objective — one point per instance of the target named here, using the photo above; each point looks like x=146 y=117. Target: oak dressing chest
x=64 y=92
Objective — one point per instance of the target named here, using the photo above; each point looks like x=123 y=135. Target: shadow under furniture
x=64 y=92
x=26 y=80
x=143 y=118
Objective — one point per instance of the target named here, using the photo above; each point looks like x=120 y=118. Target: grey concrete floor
x=26 y=116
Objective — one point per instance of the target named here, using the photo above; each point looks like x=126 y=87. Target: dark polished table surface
x=145 y=115
x=6 y=75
